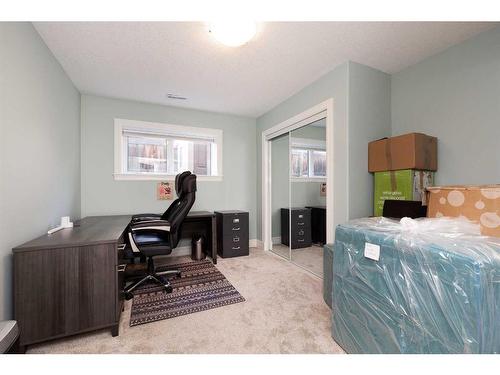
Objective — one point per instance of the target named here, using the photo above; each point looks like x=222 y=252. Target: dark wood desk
x=72 y=281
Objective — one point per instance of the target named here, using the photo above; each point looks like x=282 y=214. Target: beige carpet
x=311 y=258
x=284 y=312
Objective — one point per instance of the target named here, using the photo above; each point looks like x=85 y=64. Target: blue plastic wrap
x=433 y=289
x=327 y=273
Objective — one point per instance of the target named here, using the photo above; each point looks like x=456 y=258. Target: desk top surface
x=90 y=230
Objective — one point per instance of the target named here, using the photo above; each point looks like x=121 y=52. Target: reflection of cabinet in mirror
x=300 y=227
x=318 y=224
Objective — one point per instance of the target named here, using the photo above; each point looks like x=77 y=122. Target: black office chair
x=150 y=235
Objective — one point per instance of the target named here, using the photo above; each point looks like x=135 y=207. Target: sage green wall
x=455 y=96
x=39 y=145
x=101 y=194
x=369 y=119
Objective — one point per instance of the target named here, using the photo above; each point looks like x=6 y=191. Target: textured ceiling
x=146 y=60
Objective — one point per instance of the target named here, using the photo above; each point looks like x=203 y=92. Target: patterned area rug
x=200 y=287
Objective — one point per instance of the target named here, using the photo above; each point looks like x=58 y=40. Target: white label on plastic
x=372 y=251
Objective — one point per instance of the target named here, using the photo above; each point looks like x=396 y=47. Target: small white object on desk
x=65 y=223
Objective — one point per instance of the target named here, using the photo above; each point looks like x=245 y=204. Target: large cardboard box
x=408 y=151
x=407 y=184
x=477 y=203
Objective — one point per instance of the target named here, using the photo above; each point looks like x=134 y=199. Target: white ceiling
x=146 y=60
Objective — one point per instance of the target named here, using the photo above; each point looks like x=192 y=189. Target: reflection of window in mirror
x=308 y=158
x=300 y=163
x=318 y=160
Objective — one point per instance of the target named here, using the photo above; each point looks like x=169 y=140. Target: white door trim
x=322 y=110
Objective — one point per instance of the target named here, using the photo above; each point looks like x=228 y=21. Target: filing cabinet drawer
x=120 y=284
x=296 y=227
x=232 y=233
x=121 y=244
x=234 y=222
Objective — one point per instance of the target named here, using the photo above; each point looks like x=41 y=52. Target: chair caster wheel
x=128 y=296
x=168 y=288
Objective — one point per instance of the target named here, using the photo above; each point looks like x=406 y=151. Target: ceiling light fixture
x=233 y=33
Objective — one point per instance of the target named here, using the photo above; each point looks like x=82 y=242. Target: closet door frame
x=322 y=110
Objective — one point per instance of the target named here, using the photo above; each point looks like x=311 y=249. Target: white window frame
x=121 y=125
x=307 y=144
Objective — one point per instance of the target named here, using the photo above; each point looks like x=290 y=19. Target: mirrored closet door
x=308 y=196
x=280 y=194
x=298 y=195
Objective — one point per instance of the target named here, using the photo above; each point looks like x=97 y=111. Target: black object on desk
x=318 y=224
x=232 y=233
x=300 y=227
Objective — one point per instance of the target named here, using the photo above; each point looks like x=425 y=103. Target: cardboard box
x=477 y=203
x=408 y=151
x=407 y=184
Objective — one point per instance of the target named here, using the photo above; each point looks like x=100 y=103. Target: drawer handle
x=236 y=228
x=301 y=216
x=300 y=240
x=236 y=221
x=300 y=223
x=121 y=268
x=236 y=239
x=236 y=248
x=121 y=246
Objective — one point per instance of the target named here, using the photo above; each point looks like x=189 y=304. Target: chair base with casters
x=152 y=275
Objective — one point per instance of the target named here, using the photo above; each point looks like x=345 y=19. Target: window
x=300 y=162
x=151 y=151
x=308 y=159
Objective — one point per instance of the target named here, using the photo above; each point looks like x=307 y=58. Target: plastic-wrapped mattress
x=435 y=288
x=327 y=273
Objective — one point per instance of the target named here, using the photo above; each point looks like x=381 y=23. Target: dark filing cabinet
x=300 y=226
x=232 y=233
x=318 y=224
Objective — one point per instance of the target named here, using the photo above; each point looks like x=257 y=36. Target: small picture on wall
x=322 y=189
x=164 y=191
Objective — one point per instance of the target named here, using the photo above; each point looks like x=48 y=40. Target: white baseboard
x=256 y=243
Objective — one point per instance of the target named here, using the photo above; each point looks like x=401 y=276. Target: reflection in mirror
x=308 y=196
x=280 y=198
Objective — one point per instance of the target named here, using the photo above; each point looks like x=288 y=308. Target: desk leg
x=115 y=330
x=214 y=240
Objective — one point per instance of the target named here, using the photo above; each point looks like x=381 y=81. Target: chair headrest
x=189 y=184
x=178 y=181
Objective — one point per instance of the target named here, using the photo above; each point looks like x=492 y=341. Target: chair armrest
x=163 y=225
x=142 y=217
